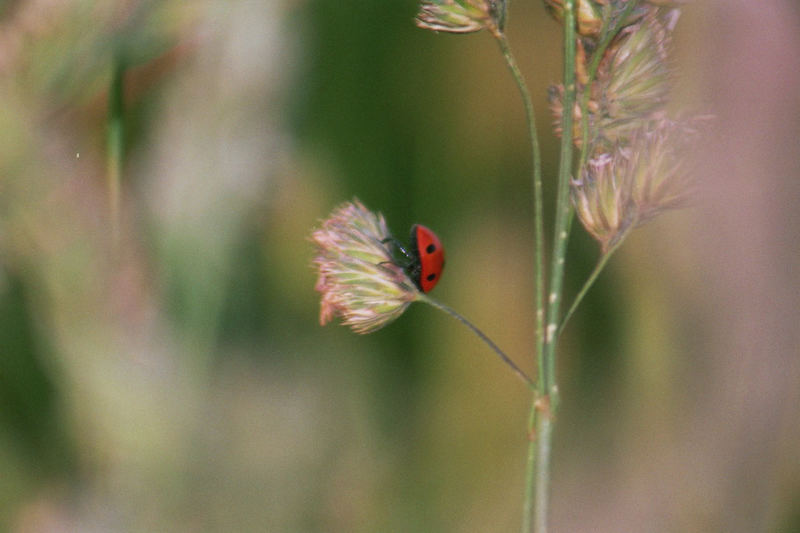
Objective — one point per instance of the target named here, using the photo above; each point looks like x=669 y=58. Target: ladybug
x=425 y=257
x=427 y=254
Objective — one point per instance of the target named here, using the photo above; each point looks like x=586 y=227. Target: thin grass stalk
x=530 y=463
x=549 y=402
x=601 y=263
x=527 y=515
x=563 y=205
x=115 y=139
x=453 y=313
x=538 y=226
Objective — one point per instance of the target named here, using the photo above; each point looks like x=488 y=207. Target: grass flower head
x=637 y=181
x=662 y=173
x=461 y=16
x=632 y=82
x=358 y=277
x=602 y=198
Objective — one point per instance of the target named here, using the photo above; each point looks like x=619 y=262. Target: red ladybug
x=427 y=258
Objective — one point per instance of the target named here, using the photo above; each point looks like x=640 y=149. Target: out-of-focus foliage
x=174 y=377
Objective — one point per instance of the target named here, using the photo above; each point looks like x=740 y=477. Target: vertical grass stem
x=502 y=40
x=544 y=431
x=116 y=139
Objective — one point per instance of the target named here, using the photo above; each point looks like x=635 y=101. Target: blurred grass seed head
x=358 y=277
x=632 y=84
x=622 y=189
x=461 y=16
x=601 y=198
x=639 y=160
x=662 y=165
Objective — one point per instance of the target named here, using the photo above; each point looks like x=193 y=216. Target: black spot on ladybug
x=430 y=249
x=431 y=277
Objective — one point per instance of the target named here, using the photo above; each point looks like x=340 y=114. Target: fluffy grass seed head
x=632 y=83
x=635 y=76
x=358 y=278
x=461 y=16
x=635 y=182
x=662 y=174
x=602 y=198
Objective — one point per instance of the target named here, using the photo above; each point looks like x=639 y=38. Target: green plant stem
x=527 y=515
x=563 y=205
x=549 y=402
x=530 y=464
x=506 y=359
x=536 y=181
x=544 y=434
x=601 y=263
x=538 y=227
x=116 y=139
x=503 y=15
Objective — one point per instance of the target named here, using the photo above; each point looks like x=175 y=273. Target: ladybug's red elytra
x=427 y=258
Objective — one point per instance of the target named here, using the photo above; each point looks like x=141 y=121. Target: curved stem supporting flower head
x=537 y=189
x=538 y=264
x=506 y=359
x=601 y=263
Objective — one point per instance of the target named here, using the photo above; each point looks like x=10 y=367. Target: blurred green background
x=170 y=374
